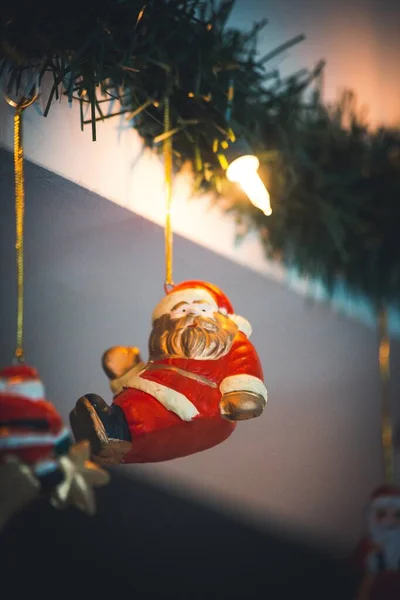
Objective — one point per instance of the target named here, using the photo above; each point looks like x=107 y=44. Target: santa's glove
x=118 y=360
x=240 y=406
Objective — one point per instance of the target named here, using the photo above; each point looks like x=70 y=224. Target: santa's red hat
x=190 y=291
x=21 y=380
x=385 y=495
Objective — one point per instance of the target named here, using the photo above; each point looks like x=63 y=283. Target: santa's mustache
x=196 y=321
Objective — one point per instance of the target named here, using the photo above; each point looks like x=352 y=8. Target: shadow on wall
x=147 y=543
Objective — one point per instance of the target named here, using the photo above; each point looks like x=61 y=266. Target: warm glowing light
x=243 y=170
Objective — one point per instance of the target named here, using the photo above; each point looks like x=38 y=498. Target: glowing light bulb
x=243 y=170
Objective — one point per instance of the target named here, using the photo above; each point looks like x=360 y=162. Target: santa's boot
x=103 y=426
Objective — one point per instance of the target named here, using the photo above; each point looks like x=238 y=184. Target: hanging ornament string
x=168 y=285
x=19 y=216
x=384 y=369
x=19 y=230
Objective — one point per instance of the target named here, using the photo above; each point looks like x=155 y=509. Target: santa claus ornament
x=202 y=376
x=377 y=557
x=379 y=552
x=37 y=456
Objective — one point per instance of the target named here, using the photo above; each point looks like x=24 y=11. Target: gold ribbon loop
x=23 y=103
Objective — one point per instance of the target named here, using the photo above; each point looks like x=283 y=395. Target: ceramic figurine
x=378 y=554
x=37 y=455
x=203 y=375
x=30 y=426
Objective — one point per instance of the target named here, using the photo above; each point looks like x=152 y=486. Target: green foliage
x=335 y=193
x=335 y=186
x=140 y=52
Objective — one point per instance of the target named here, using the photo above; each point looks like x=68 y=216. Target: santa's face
x=192 y=330
x=384 y=518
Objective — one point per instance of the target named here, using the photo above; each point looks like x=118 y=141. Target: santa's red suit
x=172 y=405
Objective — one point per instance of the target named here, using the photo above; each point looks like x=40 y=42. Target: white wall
x=94 y=271
x=359 y=39
x=360 y=42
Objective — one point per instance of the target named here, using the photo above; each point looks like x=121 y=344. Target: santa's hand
x=118 y=360
x=119 y=364
x=241 y=406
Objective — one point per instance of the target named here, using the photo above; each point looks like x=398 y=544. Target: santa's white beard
x=389 y=541
x=209 y=339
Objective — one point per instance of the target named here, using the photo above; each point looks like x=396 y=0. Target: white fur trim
x=170 y=399
x=22 y=440
x=386 y=502
x=189 y=295
x=117 y=385
x=30 y=389
x=243 y=383
x=242 y=324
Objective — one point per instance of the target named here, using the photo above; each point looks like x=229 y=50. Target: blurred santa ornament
x=377 y=556
x=37 y=457
x=203 y=375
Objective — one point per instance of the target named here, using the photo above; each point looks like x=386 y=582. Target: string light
x=243 y=170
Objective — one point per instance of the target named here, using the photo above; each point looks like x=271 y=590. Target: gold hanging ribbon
x=384 y=369
x=19 y=229
x=19 y=216
x=168 y=185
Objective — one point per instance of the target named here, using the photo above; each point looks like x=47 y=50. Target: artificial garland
x=335 y=185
